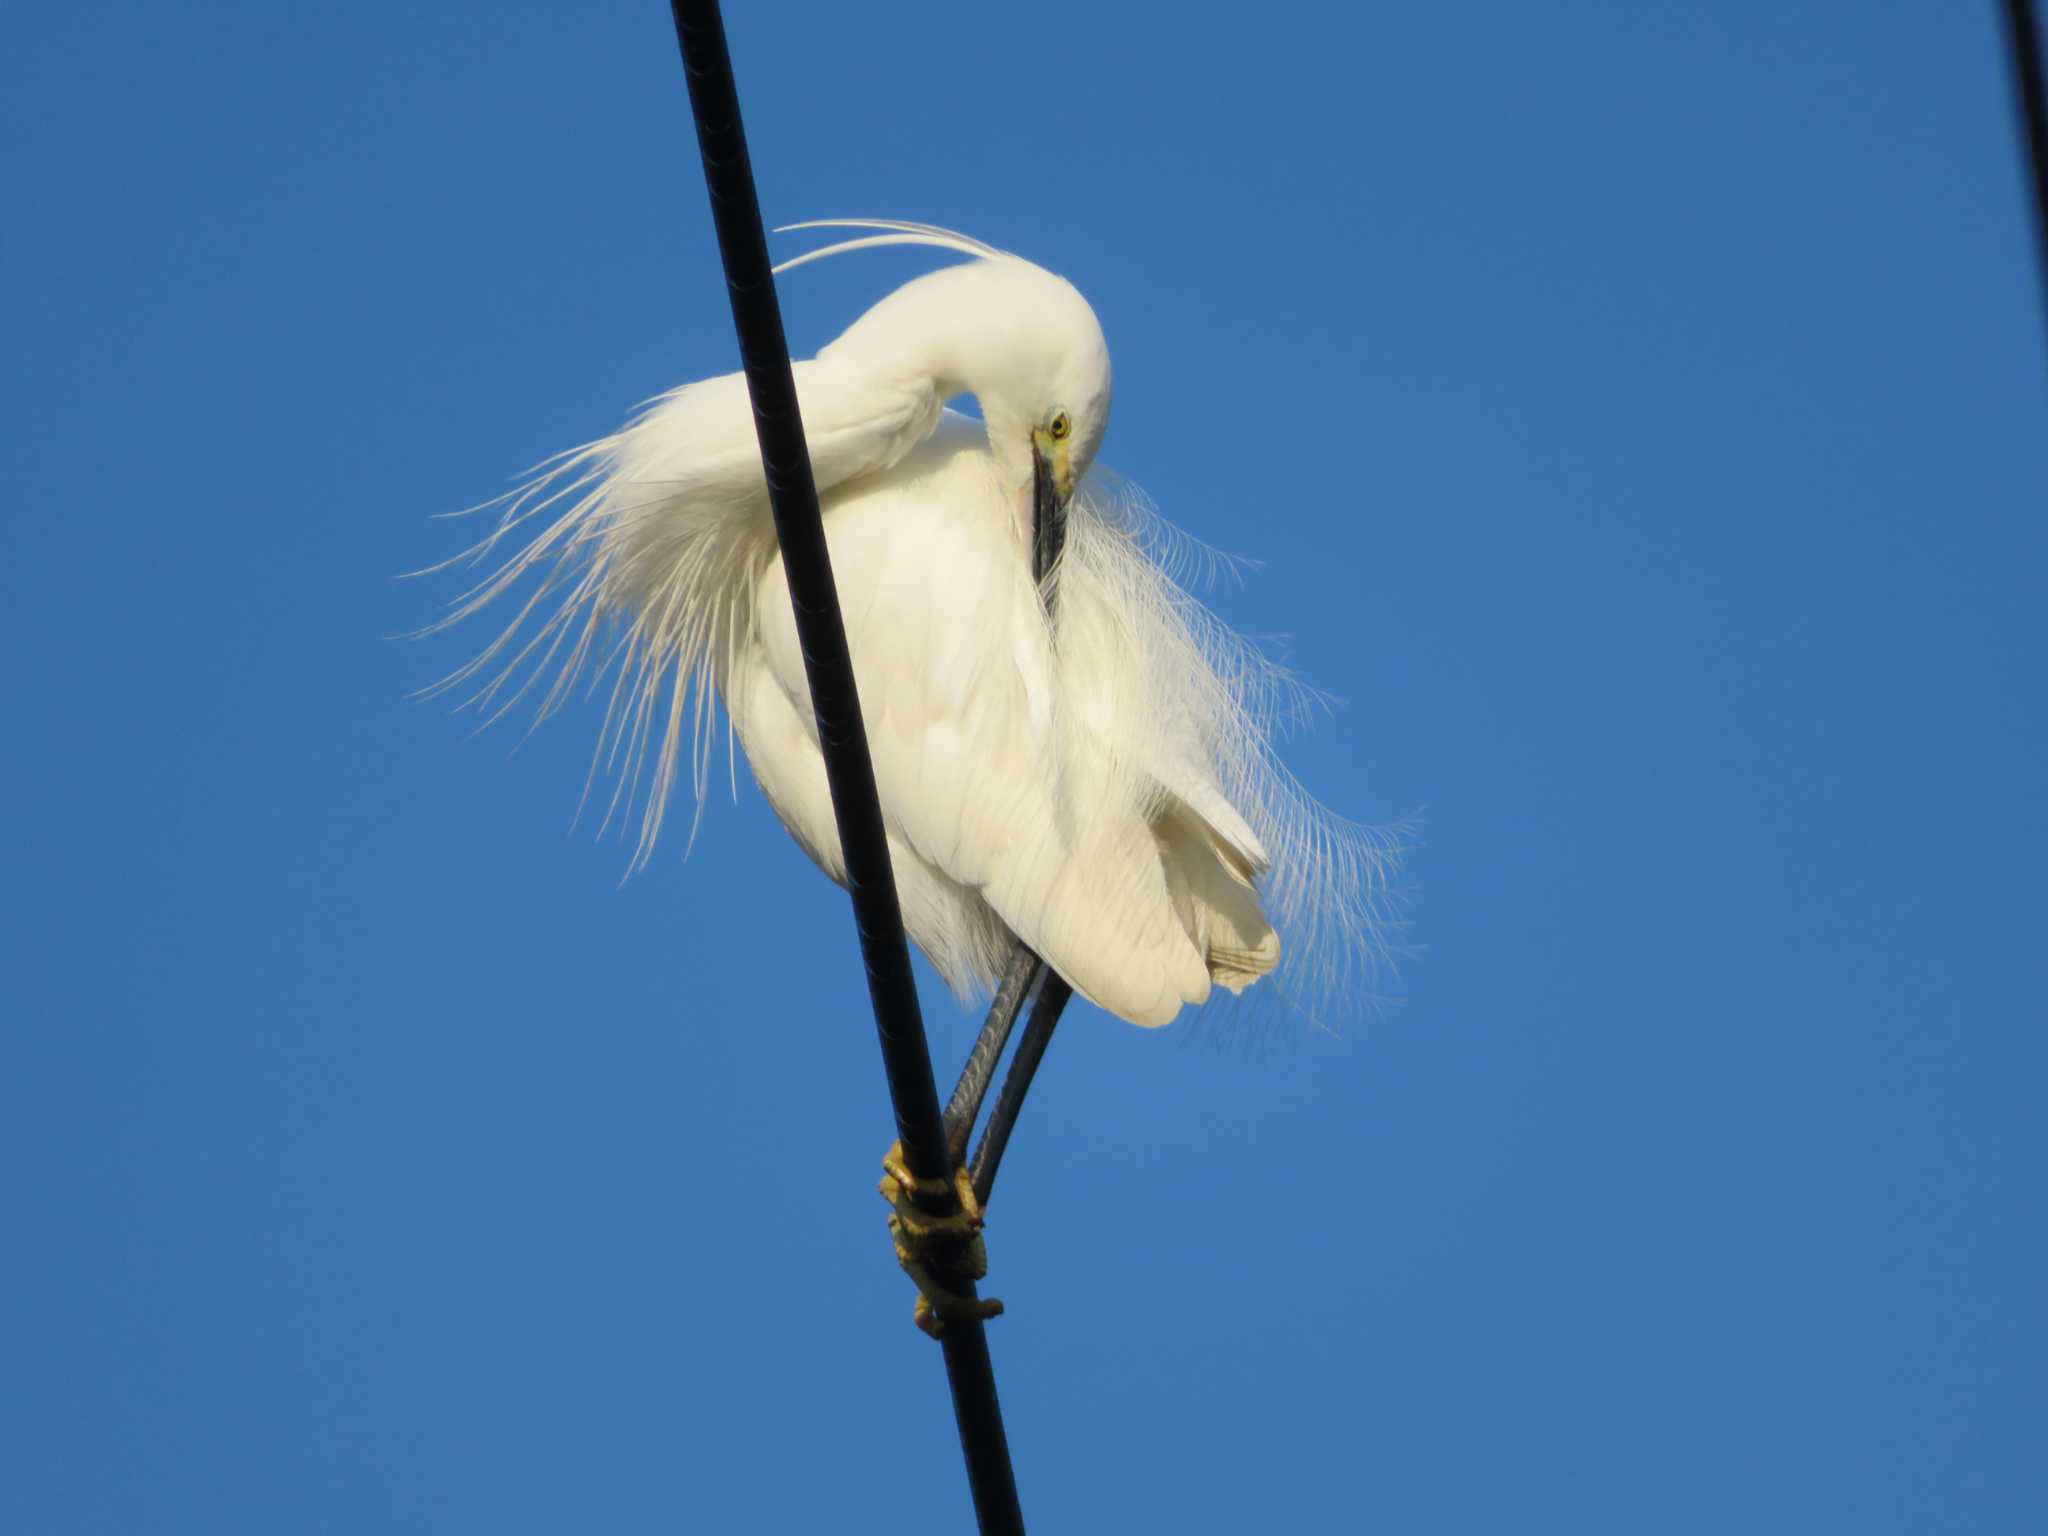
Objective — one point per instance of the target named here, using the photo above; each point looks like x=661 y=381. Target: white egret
x=1071 y=752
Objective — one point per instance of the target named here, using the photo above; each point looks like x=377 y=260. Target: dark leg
x=965 y=1106
x=1052 y=1000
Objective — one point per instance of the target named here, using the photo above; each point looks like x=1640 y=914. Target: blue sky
x=1642 y=423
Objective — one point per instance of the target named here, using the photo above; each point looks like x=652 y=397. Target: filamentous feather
x=1091 y=767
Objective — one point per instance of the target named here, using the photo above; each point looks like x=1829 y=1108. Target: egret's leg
x=965 y=1106
x=936 y=1223
x=1053 y=997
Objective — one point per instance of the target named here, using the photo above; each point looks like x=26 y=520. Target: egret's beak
x=1048 y=515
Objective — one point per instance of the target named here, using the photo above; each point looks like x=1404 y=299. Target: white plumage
x=1093 y=775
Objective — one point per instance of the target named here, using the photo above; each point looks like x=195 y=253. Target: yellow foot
x=936 y=1224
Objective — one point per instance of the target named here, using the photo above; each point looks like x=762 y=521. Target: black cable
x=793 y=496
x=2023 y=39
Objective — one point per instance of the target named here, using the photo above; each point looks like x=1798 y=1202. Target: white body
x=991 y=745
x=1092 y=775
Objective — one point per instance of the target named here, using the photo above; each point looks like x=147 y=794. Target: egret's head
x=1018 y=338
x=1034 y=359
x=1026 y=345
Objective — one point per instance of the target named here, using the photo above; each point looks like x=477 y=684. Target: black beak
x=1048 y=523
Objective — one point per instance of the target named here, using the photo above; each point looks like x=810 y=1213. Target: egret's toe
x=936 y=1227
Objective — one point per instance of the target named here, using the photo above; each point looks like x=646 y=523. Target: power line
x=793 y=497
x=2023 y=42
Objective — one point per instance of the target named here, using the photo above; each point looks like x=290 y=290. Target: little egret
x=1075 y=759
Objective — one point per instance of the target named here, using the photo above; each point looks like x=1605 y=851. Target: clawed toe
x=936 y=1226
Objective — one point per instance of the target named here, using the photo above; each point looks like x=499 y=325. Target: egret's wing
x=1211 y=858
x=855 y=431
x=1212 y=891
x=1233 y=836
x=657 y=534
x=973 y=782
x=698 y=443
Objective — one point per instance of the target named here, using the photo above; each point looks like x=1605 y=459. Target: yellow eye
x=1060 y=427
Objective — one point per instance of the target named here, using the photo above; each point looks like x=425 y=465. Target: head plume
x=895 y=232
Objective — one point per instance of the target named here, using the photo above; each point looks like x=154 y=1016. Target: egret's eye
x=1060 y=426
